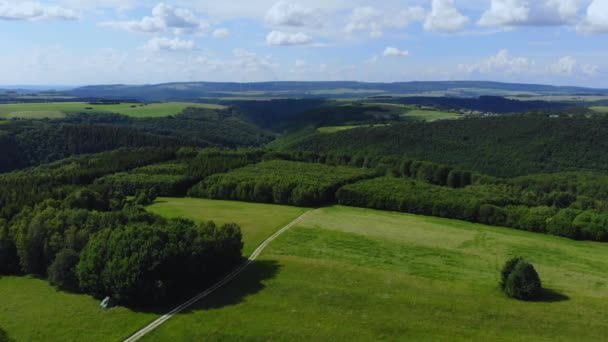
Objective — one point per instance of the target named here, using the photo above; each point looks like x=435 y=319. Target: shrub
x=520 y=280
x=62 y=272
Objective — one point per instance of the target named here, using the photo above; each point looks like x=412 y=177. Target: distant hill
x=196 y=90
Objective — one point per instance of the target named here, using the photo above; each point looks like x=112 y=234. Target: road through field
x=141 y=333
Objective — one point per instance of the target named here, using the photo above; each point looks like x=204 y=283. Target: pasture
x=257 y=221
x=414 y=113
x=359 y=274
x=60 y=109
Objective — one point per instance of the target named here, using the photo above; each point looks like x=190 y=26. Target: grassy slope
x=358 y=274
x=31 y=310
x=58 y=110
x=257 y=221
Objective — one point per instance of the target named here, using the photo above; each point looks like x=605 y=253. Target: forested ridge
x=499 y=146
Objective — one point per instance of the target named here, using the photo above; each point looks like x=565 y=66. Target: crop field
x=358 y=274
x=59 y=110
x=257 y=221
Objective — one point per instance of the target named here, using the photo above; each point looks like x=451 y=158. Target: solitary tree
x=520 y=280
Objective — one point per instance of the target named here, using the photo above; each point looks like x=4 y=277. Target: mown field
x=359 y=274
x=32 y=310
x=257 y=221
x=59 y=110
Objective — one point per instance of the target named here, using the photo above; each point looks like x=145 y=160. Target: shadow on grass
x=552 y=296
x=249 y=282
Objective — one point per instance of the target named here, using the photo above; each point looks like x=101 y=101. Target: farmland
x=374 y=275
x=59 y=110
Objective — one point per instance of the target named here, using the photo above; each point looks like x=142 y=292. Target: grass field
x=412 y=112
x=600 y=109
x=59 y=110
x=357 y=274
x=334 y=129
x=31 y=310
x=257 y=221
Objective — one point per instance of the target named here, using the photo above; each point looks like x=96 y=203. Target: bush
x=62 y=272
x=520 y=280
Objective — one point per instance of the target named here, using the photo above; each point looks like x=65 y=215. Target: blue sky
x=80 y=42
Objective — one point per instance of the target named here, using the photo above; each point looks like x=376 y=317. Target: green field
x=59 y=110
x=600 y=109
x=421 y=114
x=358 y=274
x=257 y=221
x=31 y=310
x=334 y=129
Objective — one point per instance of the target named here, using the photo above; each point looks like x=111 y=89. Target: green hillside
x=358 y=274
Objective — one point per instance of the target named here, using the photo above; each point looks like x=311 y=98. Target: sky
x=79 y=42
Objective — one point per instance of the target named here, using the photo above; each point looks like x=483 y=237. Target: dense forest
x=499 y=146
x=28 y=143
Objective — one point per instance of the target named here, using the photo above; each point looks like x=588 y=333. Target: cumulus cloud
x=221 y=33
x=278 y=38
x=445 y=17
x=596 y=19
x=376 y=21
x=531 y=13
x=502 y=62
x=26 y=10
x=164 y=18
x=395 y=52
x=288 y=13
x=565 y=66
x=569 y=66
x=161 y=43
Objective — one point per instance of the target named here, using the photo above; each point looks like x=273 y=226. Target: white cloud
x=26 y=10
x=445 y=17
x=395 y=52
x=502 y=62
x=300 y=63
x=376 y=21
x=565 y=66
x=590 y=69
x=176 y=44
x=596 y=20
x=531 y=13
x=373 y=61
x=221 y=33
x=164 y=18
x=288 y=13
x=278 y=38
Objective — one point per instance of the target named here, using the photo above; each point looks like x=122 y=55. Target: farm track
x=158 y=322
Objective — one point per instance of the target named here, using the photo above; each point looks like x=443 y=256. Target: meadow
x=257 y=221
x=32 y=310
x=600 y=109
x=60 y=109
x=414 y=113
x=359 y=274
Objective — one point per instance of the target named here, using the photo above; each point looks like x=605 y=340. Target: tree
x=62 y=272
x=522 y=282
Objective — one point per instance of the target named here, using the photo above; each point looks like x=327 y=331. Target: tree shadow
x=249 y=282
x=551 y=296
